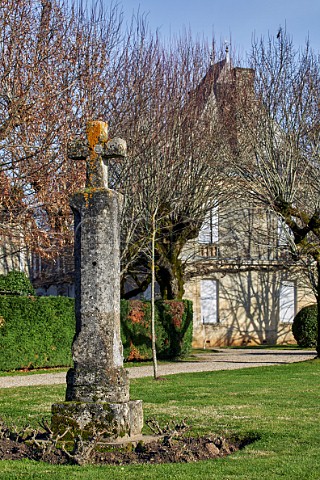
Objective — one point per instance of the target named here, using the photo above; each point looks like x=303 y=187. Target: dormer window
x=209 y=231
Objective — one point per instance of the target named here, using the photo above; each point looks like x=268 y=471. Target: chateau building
x=245 y=285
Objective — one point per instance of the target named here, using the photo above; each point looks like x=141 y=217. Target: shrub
x=36 y=332
x=305 y=326
x=173 y=325
x=16 y=283
x=136 y=330
x=176 y=317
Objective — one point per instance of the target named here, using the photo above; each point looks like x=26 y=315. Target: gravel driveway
x=220 y=359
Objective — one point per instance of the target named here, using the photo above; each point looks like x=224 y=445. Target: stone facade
x=244 y=283
x=245 y=307
x=14 y=254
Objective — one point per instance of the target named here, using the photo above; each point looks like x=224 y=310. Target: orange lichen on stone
x=97 y=132
x=86 y=197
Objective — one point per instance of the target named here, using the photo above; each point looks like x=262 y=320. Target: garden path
x=218 y=359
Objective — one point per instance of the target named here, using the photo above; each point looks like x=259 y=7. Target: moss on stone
x=86 y=419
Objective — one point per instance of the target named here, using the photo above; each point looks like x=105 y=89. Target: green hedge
x=136 y=330
x=177 y=320
x=16 y=283
x=173 y=322
x=38 y=331
x=35 y=332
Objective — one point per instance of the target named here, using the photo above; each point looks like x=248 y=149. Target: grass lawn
x=278 y=404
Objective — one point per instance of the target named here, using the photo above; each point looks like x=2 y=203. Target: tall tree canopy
x=278 y=157
x=50 y=55
x=62 y=66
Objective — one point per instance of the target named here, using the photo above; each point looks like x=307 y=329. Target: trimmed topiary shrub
x=136 y=330
x=16 y=283
x=176 y=317
x=36 y=332
x=173 y=322
x=305 y=326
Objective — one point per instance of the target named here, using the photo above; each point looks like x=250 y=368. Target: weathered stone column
x=98 y=373
x=97 y=396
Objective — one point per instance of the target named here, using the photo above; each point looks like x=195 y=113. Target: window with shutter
x=287 y=301
x=209 y=301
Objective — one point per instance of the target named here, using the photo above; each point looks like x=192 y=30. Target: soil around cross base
x=166 y=450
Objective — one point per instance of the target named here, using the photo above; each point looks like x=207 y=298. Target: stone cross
x=96 y=149
x=97 y=396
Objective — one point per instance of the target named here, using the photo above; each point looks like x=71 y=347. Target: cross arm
x=78 y=148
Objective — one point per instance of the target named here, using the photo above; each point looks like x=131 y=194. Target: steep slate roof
x=219 y=76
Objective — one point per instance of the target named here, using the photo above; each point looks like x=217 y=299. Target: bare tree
x=278 y=146
x=51 y=54
x=61 y=66
x=176 y=158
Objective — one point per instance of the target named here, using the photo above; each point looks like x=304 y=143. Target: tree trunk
x=170 y=277
x=318 y=305
x=153 y=281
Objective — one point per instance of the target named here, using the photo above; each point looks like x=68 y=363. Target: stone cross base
x=111 y=420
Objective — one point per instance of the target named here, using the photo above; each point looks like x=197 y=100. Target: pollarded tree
x=177 y=155
x=48 y=51
x=278 y=158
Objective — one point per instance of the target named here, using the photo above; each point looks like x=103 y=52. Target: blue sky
x=238 y=19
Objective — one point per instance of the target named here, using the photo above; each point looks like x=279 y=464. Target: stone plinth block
x=111 y=420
